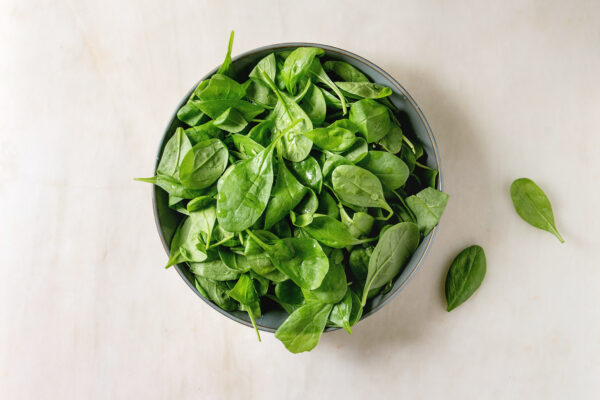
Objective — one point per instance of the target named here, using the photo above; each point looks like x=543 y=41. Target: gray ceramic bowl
x=412 y=121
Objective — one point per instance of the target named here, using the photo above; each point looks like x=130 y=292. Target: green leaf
x=391 y=170
x=428 y=206
x=231 y=121
x=392 y=142
x=174 y=151
x=391 y=253
x=203 y=132
x=319 y=75
x=333 y=287
x=347 y=72
x=287 y=194
x=219 y=87
x=245 y=293
x=214 y=108
x=308 y=173
x=532 y=204
x=203 y=164
x=302 y=330
x=371 y=118
x=358 y=186
x=313 y=104
x=226 y=66
x=364 y=90
x=297 y=64
x=213 y=269
x=465 y=276
x=337 y=137
x=331 y=232
x=341 y=312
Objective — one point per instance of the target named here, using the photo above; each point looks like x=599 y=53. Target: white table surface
x=86 y=309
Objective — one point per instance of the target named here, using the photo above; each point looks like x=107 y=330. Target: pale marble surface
x=87 y=311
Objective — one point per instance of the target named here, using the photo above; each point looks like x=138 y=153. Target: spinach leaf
x=308 y=173
x=215 y=291
x=172 y=186
x=358 y=186
x=314 y=105
x=464 y=276
x=190 y=113
x=327 y=205
x=364 y=90
x=245 y=292
x=333 y=162
x=289 y=293
x=267 y=66
x=319 y=75
x=333 y=287
x=295 y=146
x=226 y=66
x=219 y=87
x=246 y=145
x=302 y=330
x=392 y=142
x=341 y=312
x=357 y=151
x=428 y=206
x=371 y=118
x=203 y=132
x=231 y=121
x=391 y=170
x=297 y=64
x=337 y=137
x=287 y=193
x=309 y=204
x=302 y=260
x=392 y=251
x=213 y=269
x=345 y=71
x=203 y=164
x=214 y=108
x=261 y=133
x=174 y=151
x=532 y=204
x=245 y=191
x=331 y=232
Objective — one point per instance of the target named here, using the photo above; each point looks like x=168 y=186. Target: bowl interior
x=412 y=121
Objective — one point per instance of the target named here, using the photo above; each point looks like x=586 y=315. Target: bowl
x=412 y=121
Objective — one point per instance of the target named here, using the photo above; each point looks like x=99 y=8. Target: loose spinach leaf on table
x=532 y=204
x=465 y=276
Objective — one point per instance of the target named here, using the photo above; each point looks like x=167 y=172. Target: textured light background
x=510 y=89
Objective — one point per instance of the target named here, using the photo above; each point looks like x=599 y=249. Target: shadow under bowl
x=412 y=121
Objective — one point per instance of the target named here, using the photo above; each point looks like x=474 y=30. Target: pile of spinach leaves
x=299 y=190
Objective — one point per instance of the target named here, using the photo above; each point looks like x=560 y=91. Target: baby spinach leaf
x=337 y=137
x=219 y=87
x=345 y=71
x=302 y=330
x=309 y=204
x=465 y=276
x=532 y=204
x=308 y=173
x=214 y=108
x=215 y=291
x=302 y=260
x=364 y=90
x=331 y=232
x=359 y=262
x=358 y=186
x=226 y=66
x=297 y=64
x=331 y=101
x=392 y=142
x=203 y=132
x=391 y=170
x=295 y=146
x=245 y=192
x=268 y=66
x=287 y=193
x=172 y=186
x=190 y=113
x=213 y=269
x=327 y=205
x=333 y=287
x=259 y=93
x=245 y=292
x=174 y=151
x=333 y=162
x=428 y=206
x=357 y=151
x=314 y=105
x=203 y=164
x=246 y=145
x=289 y=293
x=231 y=121
x=340 y=313
x=392 y=251
x=319 y=75
x=261 y=133
x=371 y=118
x=361 y=223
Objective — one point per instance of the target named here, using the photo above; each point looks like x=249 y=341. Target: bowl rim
x=331 y=49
